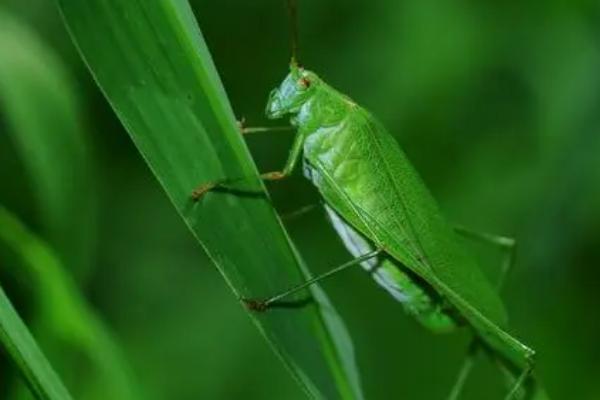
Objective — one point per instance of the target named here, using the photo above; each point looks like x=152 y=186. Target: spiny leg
x=465 y=370
x=516 y=391
x=508 y=245
x=263 y=305
x=290 y=164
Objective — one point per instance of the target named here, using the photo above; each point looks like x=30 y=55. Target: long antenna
x=293 y=15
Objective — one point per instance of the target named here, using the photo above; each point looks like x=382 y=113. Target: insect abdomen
x=390 y=276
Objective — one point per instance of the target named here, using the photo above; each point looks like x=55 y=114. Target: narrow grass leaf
x=20 y=345
x=72 y=331
x=41 y=109
x=151 y=61
x=29 y=359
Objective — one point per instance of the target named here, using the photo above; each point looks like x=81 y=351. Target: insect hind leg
x=465 y=370
x=519 y=387
x=508 y=246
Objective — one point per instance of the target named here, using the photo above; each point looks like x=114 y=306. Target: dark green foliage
x=495 y=103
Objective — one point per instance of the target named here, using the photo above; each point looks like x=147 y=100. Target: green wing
x=392 y=207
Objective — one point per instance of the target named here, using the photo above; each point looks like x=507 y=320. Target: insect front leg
x=291 y=162
x=273 y=301
x=287 y=170
x=245 y=130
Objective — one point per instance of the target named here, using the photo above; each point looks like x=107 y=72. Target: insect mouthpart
x=274 y=109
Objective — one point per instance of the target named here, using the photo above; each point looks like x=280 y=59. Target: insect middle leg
x=508 y=246
x=299 y=212
x=286 y=171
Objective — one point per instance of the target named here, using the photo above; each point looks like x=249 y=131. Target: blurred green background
x=496 y=103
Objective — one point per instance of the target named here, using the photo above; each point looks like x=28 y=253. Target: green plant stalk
x=153 y=65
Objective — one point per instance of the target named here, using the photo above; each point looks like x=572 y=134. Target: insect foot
x=255 y=305
x=202 y=190
x=241 y=123
x=273 y=176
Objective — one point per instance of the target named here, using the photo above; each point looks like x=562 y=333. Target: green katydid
x=388 y=219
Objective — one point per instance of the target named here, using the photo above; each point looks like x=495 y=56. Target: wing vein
x=413 y=240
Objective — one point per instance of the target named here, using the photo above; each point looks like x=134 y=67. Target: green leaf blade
x=151 y=61
x=29 y=359
x=18 y=342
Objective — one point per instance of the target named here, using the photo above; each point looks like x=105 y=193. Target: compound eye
x=303 y=83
